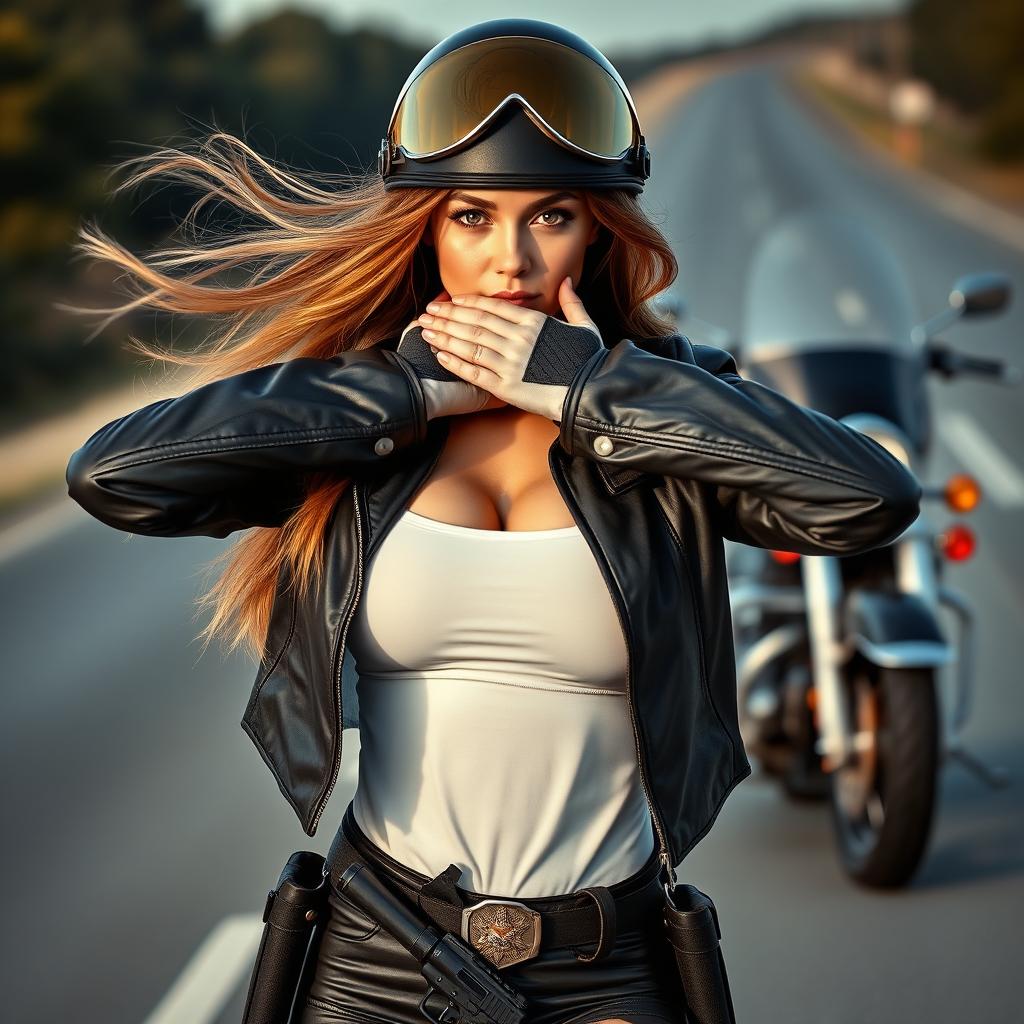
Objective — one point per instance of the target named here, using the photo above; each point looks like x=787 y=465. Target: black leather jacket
x=663 y=450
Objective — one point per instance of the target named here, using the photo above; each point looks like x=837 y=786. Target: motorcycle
x=840 y=659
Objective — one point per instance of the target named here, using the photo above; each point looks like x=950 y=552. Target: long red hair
x=338 y=265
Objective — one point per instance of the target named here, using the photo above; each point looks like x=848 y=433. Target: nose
x=512 y=258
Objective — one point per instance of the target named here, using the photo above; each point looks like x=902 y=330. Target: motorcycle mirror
x=982 y=292
x=985 y=291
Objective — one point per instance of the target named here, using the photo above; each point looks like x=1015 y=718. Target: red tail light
x=785 y=557
x=957 y=543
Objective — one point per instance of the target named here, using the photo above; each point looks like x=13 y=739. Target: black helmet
x=514 y=103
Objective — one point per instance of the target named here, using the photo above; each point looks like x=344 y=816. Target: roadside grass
x=946 y=148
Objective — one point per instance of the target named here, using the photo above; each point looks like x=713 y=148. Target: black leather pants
x=361 y=974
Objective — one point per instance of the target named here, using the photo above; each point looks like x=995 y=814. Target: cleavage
x=493 y=474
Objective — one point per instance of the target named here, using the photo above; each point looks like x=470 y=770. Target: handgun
x=475 y=991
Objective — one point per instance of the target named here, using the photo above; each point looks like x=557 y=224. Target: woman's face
x=512 y=240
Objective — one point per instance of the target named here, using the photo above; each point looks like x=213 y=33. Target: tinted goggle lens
x=575 y=96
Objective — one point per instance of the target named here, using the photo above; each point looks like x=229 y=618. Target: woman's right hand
x=446 y=394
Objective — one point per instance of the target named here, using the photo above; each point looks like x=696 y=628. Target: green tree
x=82 y=86
x=973 y=53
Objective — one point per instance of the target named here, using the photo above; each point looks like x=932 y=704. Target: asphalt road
x=142 y=829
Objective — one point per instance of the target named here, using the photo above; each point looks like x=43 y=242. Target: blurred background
x=140 y=826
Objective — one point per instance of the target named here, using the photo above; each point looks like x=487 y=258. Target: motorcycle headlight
x=892 y=446
x=885 y=433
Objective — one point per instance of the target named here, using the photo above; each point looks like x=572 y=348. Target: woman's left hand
x=520 y=355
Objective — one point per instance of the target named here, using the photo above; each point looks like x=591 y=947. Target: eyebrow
x=533 y=206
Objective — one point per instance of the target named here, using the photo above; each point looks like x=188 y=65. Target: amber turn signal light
x=962 y=492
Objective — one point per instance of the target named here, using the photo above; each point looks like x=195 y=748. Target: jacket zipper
x=664 y=854
x=341 y=653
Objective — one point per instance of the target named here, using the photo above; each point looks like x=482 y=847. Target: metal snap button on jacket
x=828 y=493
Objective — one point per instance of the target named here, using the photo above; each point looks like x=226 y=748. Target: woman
x=512 y=525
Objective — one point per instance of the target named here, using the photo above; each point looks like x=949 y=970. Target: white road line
x=212 y=976
x=40 y=525
x=1000 y=479
x=974 y=211
x=955 y=200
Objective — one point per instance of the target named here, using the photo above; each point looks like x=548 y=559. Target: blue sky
x=633 y=24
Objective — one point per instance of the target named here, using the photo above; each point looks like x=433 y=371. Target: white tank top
x=493 y=724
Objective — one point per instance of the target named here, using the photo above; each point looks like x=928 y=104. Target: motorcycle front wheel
x=883 y=801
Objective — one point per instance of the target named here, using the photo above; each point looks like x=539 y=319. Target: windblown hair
x=333 y=266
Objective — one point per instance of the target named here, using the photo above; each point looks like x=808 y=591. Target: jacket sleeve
x=236 y=452
x=781 y=475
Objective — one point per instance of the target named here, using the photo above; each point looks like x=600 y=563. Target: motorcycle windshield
x=828 y=322
x=819 y=279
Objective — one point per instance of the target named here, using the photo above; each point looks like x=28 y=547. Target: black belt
x=506 y=931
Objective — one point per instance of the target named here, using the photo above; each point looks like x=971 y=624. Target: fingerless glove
x=413 y=346
x=560 y=351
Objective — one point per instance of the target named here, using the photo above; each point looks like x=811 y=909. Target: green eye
x=457 y=216
x=462 y=213
x=565 y=215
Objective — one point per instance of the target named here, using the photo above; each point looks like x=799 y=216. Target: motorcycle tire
x=883 y=846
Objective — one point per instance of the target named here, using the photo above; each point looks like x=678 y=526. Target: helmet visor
x=456 y=95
